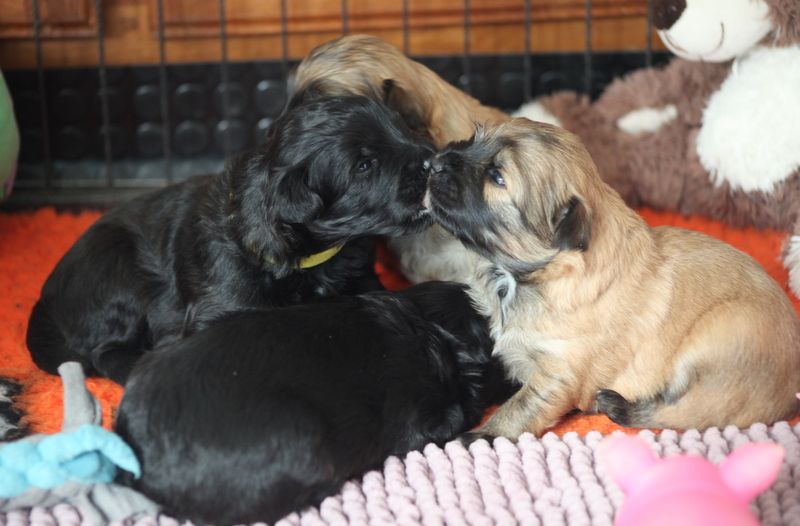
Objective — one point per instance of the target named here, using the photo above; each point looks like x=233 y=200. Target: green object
x=9 y=141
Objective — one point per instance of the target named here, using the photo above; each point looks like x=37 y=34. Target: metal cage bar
x=101 y=67
x=37 y=37
x=466 y=57
x=345 y=18
x=587 y=55
x=648 y=53
x=527 y=68
x=224 y=74
x=163 y=90
x=56 y=175
x=285 y=41
x=406 y=14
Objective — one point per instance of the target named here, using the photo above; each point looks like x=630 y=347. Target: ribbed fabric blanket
x=549 y=481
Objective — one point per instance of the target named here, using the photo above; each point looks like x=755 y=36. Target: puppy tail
x=621 y=411
x=647 y=412
x=690 y=410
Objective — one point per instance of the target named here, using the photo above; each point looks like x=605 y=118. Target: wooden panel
x=254 y=29
x=65 y=12
x=186 y=18
x=14 y=12
x=59 y=18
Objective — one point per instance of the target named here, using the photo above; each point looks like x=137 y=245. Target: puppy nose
x=667 y=12
x=437 y=165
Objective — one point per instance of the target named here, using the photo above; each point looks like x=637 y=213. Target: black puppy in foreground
x=285 y=223
x=265 y=413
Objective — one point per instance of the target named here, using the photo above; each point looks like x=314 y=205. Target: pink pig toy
x=688 y=490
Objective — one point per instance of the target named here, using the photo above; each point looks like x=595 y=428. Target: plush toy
x=77 y=465
x=717 y=131
x=688 y=490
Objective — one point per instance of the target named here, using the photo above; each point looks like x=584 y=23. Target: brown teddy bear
x=717 y=131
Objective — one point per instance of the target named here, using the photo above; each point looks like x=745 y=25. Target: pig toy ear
x=751 y=469
x=626 y=458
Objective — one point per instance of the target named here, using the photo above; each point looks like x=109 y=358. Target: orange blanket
x=32 y=242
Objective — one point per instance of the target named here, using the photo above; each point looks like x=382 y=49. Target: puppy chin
x=418 y=222
x=450 y=218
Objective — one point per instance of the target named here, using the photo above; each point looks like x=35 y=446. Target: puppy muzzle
x=445 y=169
x=446 y=162
x=445 y=181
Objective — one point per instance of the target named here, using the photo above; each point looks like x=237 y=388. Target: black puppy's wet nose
x=667 y=12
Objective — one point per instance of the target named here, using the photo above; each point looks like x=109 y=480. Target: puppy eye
x=496 y=177
x=366 y=165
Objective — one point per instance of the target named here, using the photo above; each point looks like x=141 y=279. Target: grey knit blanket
x=547 y=481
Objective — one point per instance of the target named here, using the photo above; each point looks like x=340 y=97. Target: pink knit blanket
x=547 y=481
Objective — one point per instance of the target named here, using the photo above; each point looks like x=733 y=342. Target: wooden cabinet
x=192 y=28
x=58 y=18
x=262 y=17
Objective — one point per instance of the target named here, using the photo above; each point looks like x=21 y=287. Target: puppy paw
x=10 y=427
x=471 y=436
x=613 y=405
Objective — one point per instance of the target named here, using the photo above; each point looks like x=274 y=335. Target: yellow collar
x=320 y=257
x=314 y=259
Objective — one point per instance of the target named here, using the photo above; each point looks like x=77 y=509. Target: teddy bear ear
x=626 y=458
x=751 y=469
x=785 y=16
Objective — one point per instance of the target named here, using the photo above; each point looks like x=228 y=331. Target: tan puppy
x=362 y=65
x=593 y=309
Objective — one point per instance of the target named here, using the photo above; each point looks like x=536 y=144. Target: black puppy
x=264 y=413
x=283 y=224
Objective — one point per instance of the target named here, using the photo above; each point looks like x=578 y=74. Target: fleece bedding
x=32 y=242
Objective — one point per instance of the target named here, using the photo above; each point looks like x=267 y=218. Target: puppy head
x=364 y=64
x=518 y=193
x=387 y=90
x=332 y=169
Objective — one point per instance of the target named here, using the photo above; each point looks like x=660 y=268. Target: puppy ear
x=269 y=208
x=573 y=228
x=398 y=99
x=292 y=200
